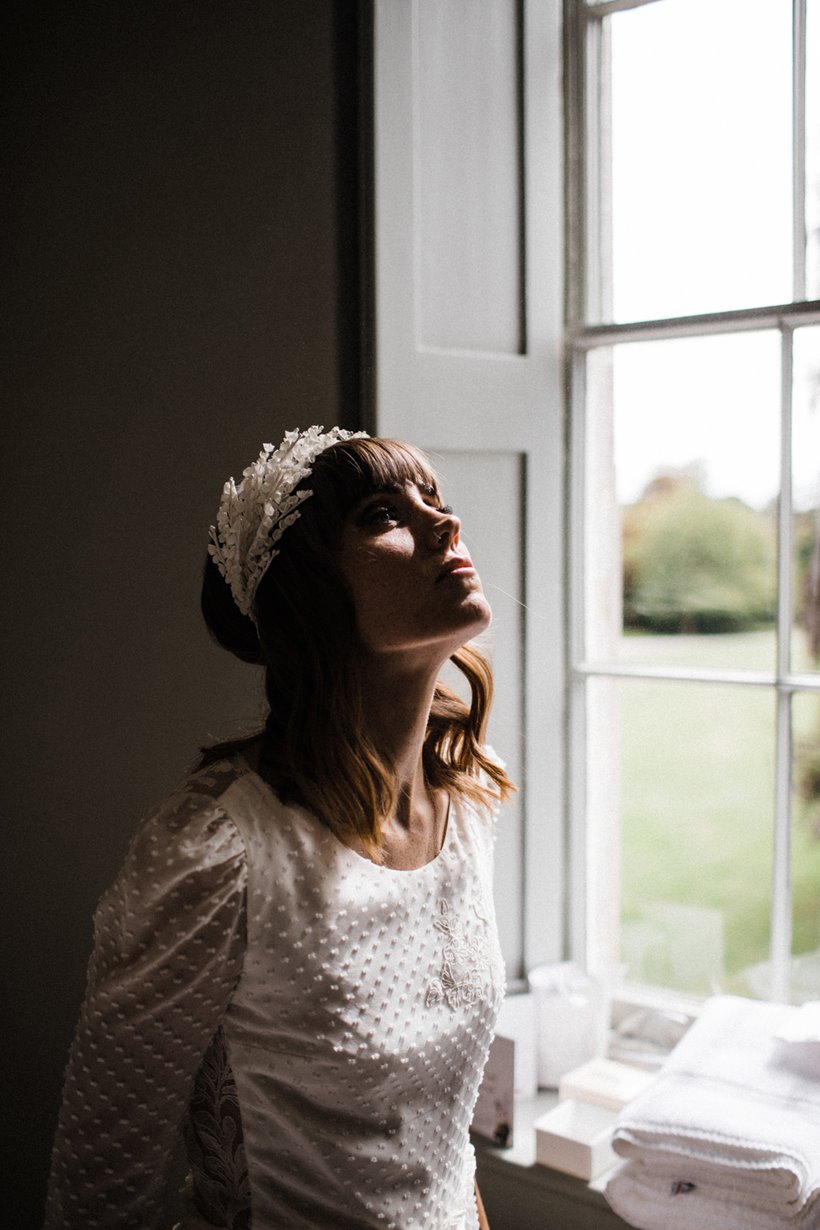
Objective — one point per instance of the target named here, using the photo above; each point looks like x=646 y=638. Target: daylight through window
x=694 y=552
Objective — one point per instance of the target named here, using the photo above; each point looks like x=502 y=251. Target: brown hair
x=316 y=750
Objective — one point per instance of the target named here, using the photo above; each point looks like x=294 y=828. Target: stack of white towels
x=728 y=1136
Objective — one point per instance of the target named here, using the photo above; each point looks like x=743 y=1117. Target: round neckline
x=327 y=833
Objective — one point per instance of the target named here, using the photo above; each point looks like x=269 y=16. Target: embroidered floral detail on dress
x=465 y=967
x=216 y=1149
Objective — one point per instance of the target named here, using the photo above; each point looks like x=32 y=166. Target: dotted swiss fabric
x=318 y=1023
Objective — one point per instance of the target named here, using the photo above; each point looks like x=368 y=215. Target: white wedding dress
x=317 y=1024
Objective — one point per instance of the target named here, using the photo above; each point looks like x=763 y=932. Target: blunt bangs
x=350 y=471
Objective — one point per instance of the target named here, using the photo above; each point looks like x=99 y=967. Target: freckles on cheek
x=370 y=584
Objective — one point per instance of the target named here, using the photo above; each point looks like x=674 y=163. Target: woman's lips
x=458 y=565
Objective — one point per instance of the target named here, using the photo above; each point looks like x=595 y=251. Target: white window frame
x=584 y=52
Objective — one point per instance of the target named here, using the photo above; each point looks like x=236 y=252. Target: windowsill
x=541 y=1188
x=523 y=1194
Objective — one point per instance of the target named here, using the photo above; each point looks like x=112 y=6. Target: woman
x=298 y=961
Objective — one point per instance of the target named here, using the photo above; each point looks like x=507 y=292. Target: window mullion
x=799 y=148
x=576 y=821
x=593 y=306
x=574 y=164
x=576 y=563
x=606 y=7
x=671 y=674
x=781 y=934
x=708 y=324
x=785 y=597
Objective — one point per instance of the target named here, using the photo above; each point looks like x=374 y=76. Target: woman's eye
x=380 y=514
x=433 y=499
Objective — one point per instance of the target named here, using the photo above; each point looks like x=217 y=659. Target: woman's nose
x=446 y=529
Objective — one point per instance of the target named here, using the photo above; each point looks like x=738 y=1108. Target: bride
x=298 y=964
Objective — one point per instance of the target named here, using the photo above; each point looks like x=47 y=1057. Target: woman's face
x=414 y=588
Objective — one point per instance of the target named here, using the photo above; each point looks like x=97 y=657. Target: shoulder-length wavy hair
x=316 y=747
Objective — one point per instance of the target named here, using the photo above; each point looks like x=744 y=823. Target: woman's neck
x=396 y=704
x=397 y=708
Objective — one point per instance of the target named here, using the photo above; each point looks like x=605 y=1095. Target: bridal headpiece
x=254 y=513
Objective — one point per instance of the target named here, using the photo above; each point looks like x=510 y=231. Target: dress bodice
x=322 y=1020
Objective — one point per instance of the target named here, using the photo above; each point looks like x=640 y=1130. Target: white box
x=572 y=1013
x=604 y=1082
x=576 y=1137
x=517 y=1020
x=494 y=1112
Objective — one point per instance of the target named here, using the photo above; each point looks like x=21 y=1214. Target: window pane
x=813 y=150
x=806 y=499
x=680 y=492
x=805 y=979
x=700 y=157
x=695 y=809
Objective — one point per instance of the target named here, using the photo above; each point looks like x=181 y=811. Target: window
x=694 y=556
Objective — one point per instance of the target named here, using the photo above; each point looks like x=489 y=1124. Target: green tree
x=696 y=564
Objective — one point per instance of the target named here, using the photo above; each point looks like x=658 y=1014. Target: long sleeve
x=169 y=944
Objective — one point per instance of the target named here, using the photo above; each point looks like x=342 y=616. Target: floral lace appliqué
x=216 y=1149
x=465 y=965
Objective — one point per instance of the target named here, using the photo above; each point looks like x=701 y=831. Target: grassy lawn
x=697 y=806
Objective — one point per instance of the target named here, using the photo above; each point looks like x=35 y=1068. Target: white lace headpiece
x=254 y=513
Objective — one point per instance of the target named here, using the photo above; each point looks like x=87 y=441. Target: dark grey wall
x=180 y=279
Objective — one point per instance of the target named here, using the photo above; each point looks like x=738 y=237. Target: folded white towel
x=648 y=1201
x=731 y=1125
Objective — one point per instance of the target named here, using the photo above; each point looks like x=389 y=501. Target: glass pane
x=680 y=490
x=806 y=499
x=700 y=158
x=813 y=150
x=694 y=805
x=805 y=974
